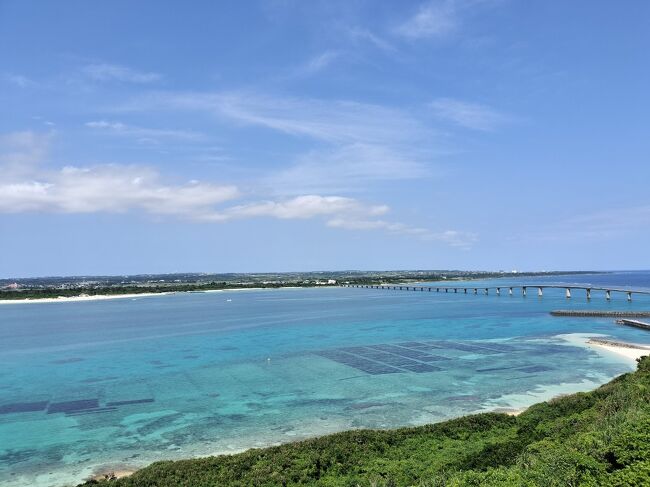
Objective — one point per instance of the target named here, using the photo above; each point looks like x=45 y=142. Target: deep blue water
x=120 y=383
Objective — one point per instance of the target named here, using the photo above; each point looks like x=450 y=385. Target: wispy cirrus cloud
x=367 y=143
x=439 y=19
x=469 y=115
x=106 y=72
x=435 y=19
x=453 y=238
x=22 y=152
x=318 y=63
x=365 y=35
x=334 y=121
x=18 y=80
x=599 y=225
x=143 y=133
x=359 y=143
x=349 y=168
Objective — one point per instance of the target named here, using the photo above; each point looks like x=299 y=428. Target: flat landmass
x=84 y=286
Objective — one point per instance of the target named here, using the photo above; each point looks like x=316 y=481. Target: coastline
x=102 y=297
x=630 y=351
x=76 y=299
x=602 y=344
x=519 y=403
x=608 y=347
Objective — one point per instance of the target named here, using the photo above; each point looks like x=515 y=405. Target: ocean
x=116 y=384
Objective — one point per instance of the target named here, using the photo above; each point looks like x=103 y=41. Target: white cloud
x=119 y=128
x=436 y=19
x=468 y=115
x=302 y=207
x=116 y=72
x=115 y=188
x=112 y=189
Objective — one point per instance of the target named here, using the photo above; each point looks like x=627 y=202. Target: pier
x=521 y=288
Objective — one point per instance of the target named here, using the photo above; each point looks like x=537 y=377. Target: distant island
x=594 y=438
x=76 y=286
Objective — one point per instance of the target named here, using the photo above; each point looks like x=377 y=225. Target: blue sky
x=283 y=135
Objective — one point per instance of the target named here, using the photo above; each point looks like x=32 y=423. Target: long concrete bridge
x=608 y=291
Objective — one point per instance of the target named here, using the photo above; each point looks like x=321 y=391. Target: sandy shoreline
x=628 y=350
x=101 y=297
x=76 y=299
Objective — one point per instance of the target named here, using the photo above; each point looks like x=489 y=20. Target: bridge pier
x=568 y=293
x=629 y=296
x=486 y=291
x=465 y=290
x=510 y=291
x=455 y=290
x=523 y=291
x=498 y=291
x=475 y=291
x=540 y=293
x=588 y=294
x=446 y=290
x=608 y=295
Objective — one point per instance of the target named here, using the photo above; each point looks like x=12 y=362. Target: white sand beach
x=75 y=299
x=99 y=297
x=606 y=345
x=631 y=351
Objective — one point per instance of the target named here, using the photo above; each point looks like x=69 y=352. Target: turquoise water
x=119 y=383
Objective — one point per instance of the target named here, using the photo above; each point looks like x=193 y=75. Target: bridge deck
x=405 y=287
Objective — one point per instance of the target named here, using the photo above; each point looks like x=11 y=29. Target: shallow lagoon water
x=120 y=383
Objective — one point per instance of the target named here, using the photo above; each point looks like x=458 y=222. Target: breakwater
x=601 y=314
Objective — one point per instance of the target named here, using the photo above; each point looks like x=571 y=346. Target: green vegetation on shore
x=118 y=290
x=598 y=438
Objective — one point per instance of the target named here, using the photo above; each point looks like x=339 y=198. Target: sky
x=280 y=135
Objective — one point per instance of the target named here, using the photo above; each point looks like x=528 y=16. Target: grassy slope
x=595 y=438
